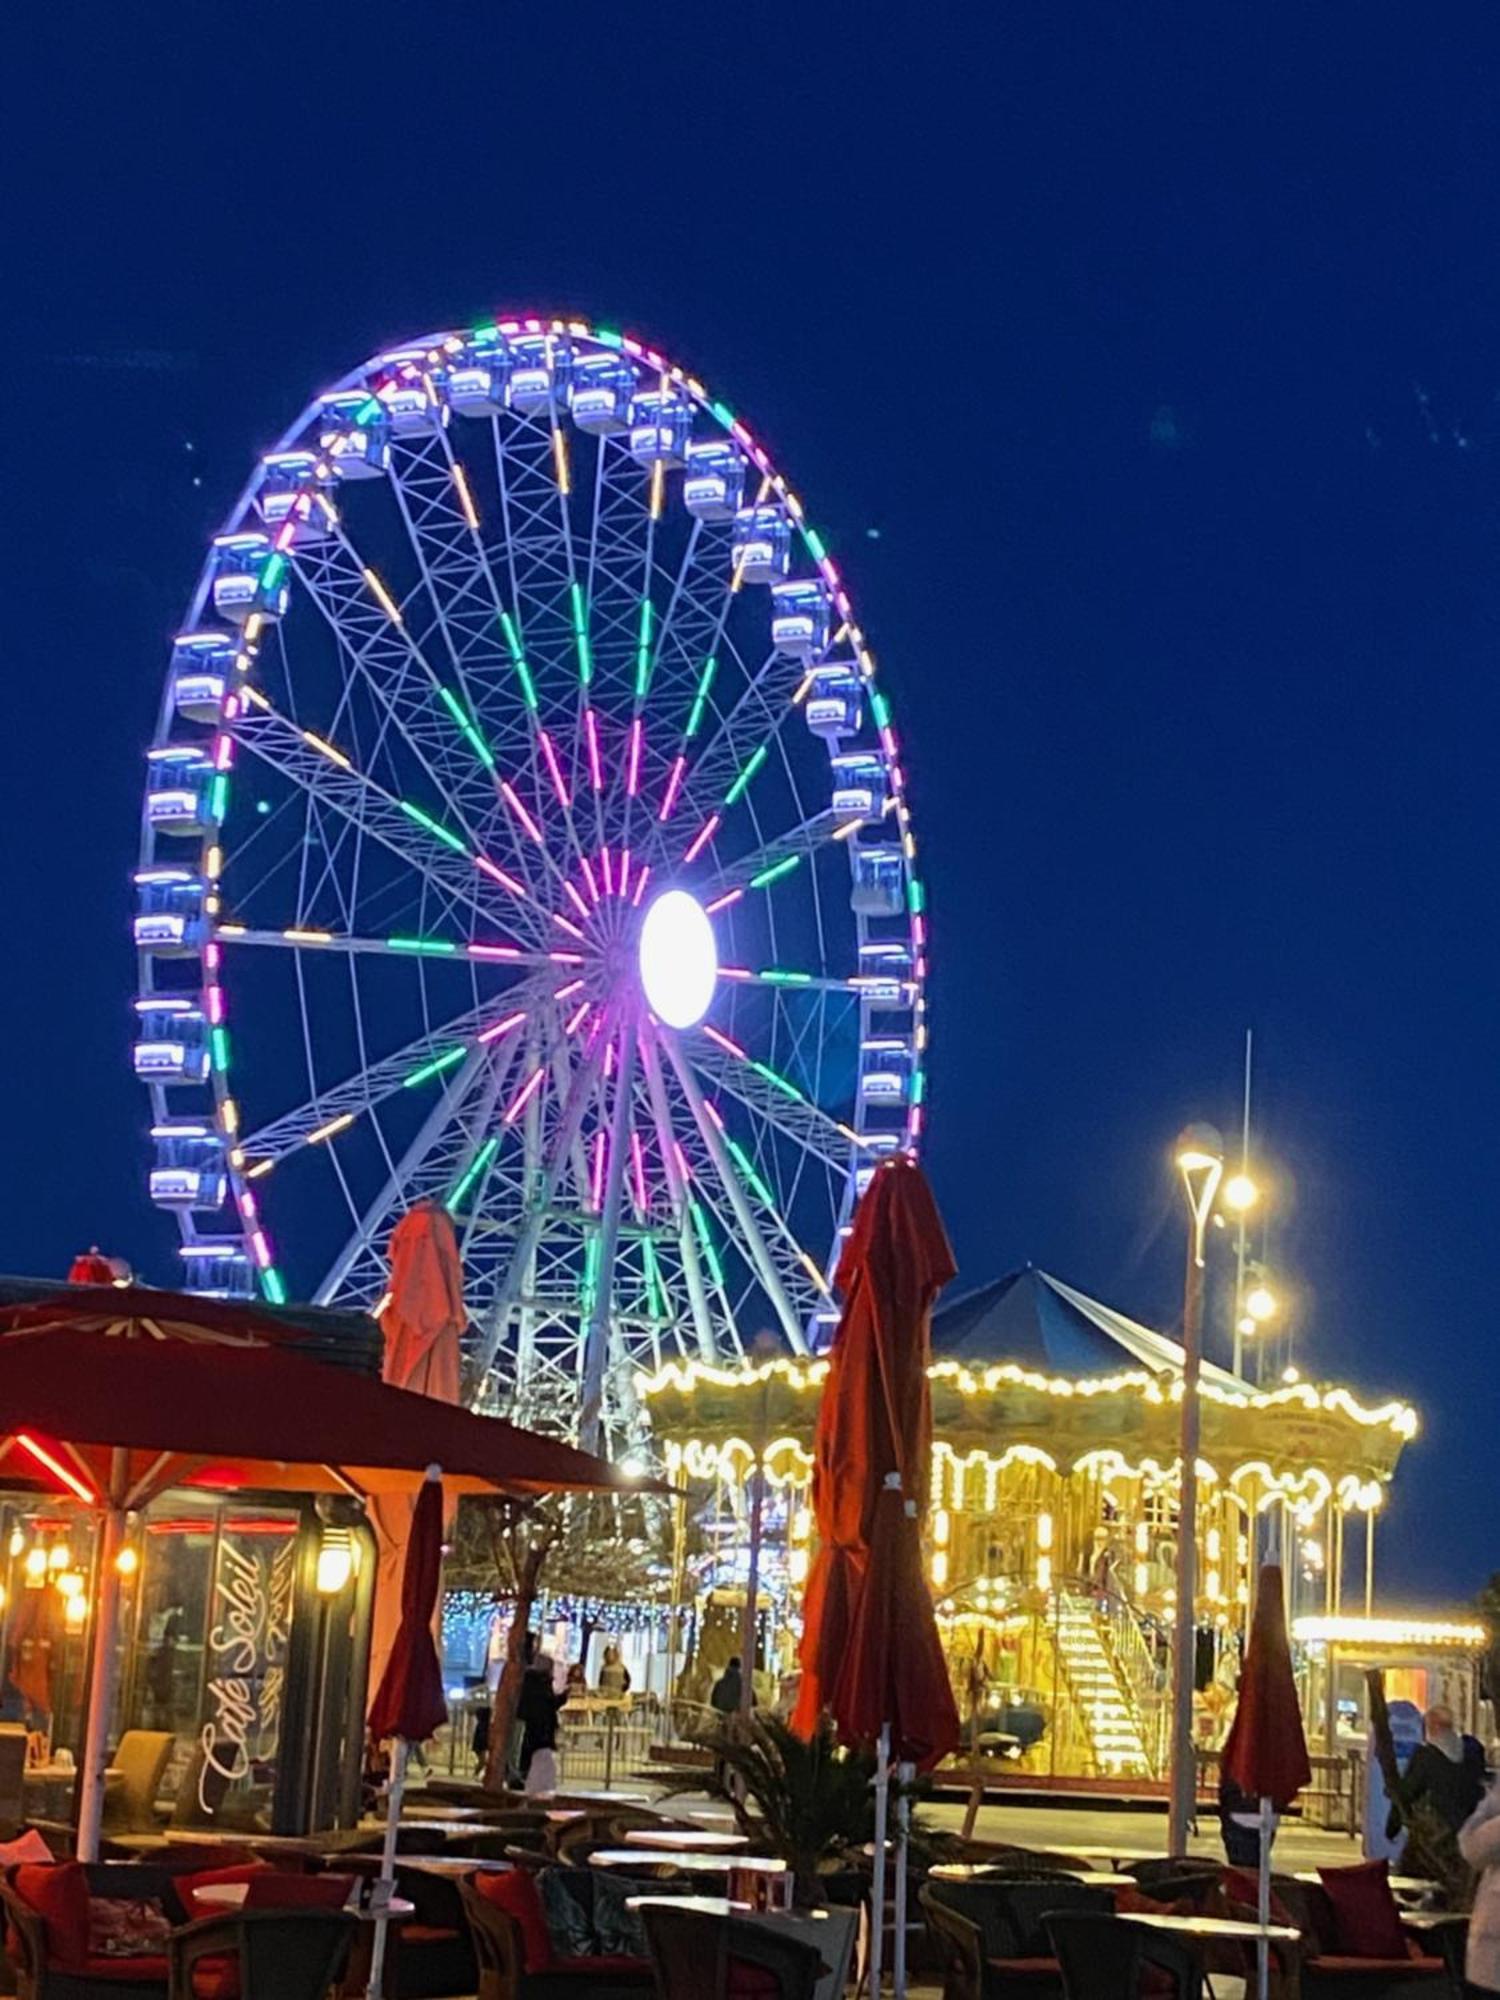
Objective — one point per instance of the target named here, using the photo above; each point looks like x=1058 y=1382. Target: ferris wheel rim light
x=678 y=959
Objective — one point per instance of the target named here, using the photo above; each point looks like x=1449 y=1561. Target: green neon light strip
x=273 y=572
x=724 y=414
x=774 y=873
x=607 y=336
x=272 y=1286
x=476 y=1167
x=880 y=708
x=434 y=1068
x=742 y=1161
x=218 y=797
x=430 y=825
x=773 y=976
x=654 y=1286
x=643 y=650
x=465 y=722
x=918 y=1086
x=581 y=634
x=435 y=947
x=590 y=1284
x=789 y=1089
x=706 y=1245
x=916 y=897
x=218 y=1042
x=752 y=764
x=815 y=546
x=518 y=660
x=700 y=699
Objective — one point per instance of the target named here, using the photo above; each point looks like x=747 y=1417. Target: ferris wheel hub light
x=678 y=959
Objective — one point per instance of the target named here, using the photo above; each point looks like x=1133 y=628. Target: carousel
x=1051 y=1536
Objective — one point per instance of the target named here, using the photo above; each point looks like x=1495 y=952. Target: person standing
x=728 y=1691
x=1446 y=1772
x=537 y=1712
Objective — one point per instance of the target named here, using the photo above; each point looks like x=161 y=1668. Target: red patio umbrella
x=422 y=1321
x=870 y=1649
x=118 y=1397
x=1265 y=1752
x=409 y=1702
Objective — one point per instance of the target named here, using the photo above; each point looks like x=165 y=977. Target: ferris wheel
x=525 y=831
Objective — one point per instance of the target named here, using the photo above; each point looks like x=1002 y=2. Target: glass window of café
x=243 y=1638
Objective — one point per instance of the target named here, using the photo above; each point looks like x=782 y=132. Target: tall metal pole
x=1201 y=1160
x=591 y=1400
x=1240 y=1245
x=763 y=1349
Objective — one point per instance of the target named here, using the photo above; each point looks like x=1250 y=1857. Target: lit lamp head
x=679 y=961
x=1260 y=1303
x=1200 y=1161
x=335 y=1561
x=1240 y=1193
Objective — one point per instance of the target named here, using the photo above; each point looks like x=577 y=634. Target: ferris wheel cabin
x=858 y=785
x=477 y=378
x=762 y=544
x=249 y=577
x=218 y=1270
x=603 y=386
x=660 y=427
x=202 y=670
x=169 y=918
x=835 y=705
x=183 y=794
x=800 y=618
x=884 y=1069
x=188 y=1169
x=171 y=1043
x=541 y=368
x=715 y=481
x=879 y=887
x=354 y=434
x=291 y=489
x=411 y=399
x=885 y=971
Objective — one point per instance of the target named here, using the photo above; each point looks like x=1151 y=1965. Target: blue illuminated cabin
x=249 y=577
x=835 y=705
x=800 y=618
x=412 y=397
x=171 y=1039
x=169 y=917
x=879 y=887
x=477 y=377
x=202 y=672
x=183 y=794
x=715 y=481
x=290 y=485
x=354 y=434
x=858 y=785
x=217 y=1268
x=884 y=1070
x=188 y=1167
x=885 y=971
x=603 y=388
x=762 y=543
x=541 y=368
x=660 y=426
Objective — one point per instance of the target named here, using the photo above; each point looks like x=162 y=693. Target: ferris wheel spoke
x=749 y=1228
x=449 y=867
x=401 y=1187
x=332 y=943
x=687 y=1244
x=596 y=1332
x=775 y=1100
x=770 y=860
x=722 y=772
x=797 y=1269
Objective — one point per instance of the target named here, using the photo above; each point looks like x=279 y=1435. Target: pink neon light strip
x=713 y=1112
x=558 y=784
x=633 y=760
x=591 y=737
x=566 y=957
x=623 y=883
x=578 y=903
x=722 y=902
x=723 y=1041
x=597 y=1188
x=605 y=874
x=483 y=862
x=523 y=1096
x=588 y=876
x=640 y=886
x=563 y=924
x=492 y=950
x=638 y=1167
x=674 y=785
x=216 y=1004
x=609 y=1061
x=573 y=1022
x=682 y=1166
x=504 y=1027
x=567 y=992
x=509 y=791
x=702 y=837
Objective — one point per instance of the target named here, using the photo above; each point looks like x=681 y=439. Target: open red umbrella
x=1265 y=1752
x=117 y=1396
x=870 y=1649
x=409 y=1702
x=421 y=1324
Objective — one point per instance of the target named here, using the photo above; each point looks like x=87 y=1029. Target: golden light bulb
x=36 y=1562
x=1260 y=1303
x=128 y=1561
x=1240 y=1192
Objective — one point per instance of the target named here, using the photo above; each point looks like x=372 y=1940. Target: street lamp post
x=1200 y=1160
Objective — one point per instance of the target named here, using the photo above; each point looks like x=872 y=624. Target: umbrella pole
x=387 y=1881
x=904 y=1775
x=1263 y=1898
x=877 y=1881
x=103 y=1664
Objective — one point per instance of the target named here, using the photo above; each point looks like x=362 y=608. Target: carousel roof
x=1031 y=1318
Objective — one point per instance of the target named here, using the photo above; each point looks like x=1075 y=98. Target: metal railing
x=1136 y=1662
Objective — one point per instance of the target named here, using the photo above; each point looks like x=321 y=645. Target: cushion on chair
x=216 y=1979
x=59 y=1893
x=1367 y=1923
x=142 y=1971
x=517 y=1895
x=744 y=1981
x=127 y=1926
x=1026 y=1968
x=27 y=1847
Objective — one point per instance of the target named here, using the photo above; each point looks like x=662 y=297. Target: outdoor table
x=231 y=1896
x=972 y=1871
x=443 y=1809
x=754 y=1877
x=1209 y=1928
x=1432 y=1920
x=444 y=1826
x=685 y=1841
x=1400 y=1885
x=452 y=1864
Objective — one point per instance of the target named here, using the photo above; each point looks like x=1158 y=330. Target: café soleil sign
x=247 y=1646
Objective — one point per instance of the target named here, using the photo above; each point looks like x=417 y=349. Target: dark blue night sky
x=1146 y=379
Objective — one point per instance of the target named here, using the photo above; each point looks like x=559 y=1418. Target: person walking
x=537 y=1712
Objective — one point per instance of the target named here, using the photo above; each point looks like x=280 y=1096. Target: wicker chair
x=1103 y=1958
x=291 y=1954
x=698 y=1956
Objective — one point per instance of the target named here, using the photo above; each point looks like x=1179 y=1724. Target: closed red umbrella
x=91 y=1267
x=421 y=1324
x=409 y=1702
x=870 y=1649
x=1265 y=1752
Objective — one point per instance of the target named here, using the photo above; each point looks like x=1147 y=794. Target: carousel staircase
x=1104 y=1701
